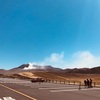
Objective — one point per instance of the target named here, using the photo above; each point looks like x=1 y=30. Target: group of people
x=88 y=83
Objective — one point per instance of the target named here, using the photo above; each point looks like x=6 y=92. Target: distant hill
x=2 y=71
x=95 y=70
x=32 y=68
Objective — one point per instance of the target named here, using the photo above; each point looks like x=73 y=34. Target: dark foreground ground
x=14 y=89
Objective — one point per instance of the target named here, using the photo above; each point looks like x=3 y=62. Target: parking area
x=45 y=91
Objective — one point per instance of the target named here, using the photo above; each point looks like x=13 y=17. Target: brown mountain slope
x=95 y=70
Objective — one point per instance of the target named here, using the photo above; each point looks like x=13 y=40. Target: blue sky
x=61 y=33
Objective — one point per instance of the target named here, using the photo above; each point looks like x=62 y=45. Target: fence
x=96 y=84
x=78 y=83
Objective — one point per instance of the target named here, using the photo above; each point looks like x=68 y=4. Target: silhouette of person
x=85 y=83
x=88 y=83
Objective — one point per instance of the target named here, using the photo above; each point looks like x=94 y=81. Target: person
x=85 y=83
x=90 y=83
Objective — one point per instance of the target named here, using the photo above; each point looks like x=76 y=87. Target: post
x=39 y=82
x=56 y=81
x=49 y=80
x=52 y=81
x=69 y=82
x=80 y=86
x=74 y=82
x=94 y=84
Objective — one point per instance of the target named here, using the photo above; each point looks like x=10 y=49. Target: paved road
x=14 y=89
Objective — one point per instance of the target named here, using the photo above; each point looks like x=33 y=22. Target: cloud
x=54 y=59
x=84 y=59
x=80 y=59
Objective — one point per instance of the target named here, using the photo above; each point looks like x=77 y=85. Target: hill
x=95 y=70
x=49 y=72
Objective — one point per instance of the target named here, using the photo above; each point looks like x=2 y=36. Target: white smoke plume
x=31 y=66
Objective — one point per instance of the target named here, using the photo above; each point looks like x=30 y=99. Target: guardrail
x=78 y=83
x=96 y=84
x=69 y=82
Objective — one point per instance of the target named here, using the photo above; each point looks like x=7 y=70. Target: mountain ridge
x=49 y=68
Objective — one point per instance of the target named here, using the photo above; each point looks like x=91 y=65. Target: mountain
x=31 y=68
x=78 y=70
x=2 y=71
x=95 y=70
x=28 y=71
x=53 y=69
x=20 y=67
